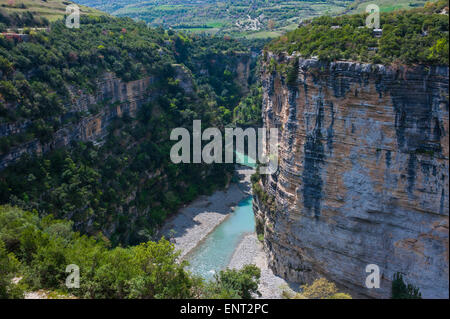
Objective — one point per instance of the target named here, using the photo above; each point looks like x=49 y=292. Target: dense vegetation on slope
x=39 y=250
x=126 y=186
x=32 y=72
x=248 y=111
x=359 y=6
x=414 y=36
x=98 y=187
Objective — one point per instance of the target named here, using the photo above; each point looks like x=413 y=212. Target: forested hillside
x=102 y=160
x=414 y=36
x=34 y=253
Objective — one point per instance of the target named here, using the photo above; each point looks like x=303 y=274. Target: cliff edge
x=363 y=173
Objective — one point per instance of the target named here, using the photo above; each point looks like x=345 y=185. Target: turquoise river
x=215 y=251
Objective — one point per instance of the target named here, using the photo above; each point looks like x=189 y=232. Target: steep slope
x=363 y=173
x=48 y=9
x=85 y=124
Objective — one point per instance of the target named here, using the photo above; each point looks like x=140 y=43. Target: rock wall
x=363 y=174
x=243 y=72
x=118 y=98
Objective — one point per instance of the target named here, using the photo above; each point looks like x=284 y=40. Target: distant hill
x=47 y=9
x=251 y=18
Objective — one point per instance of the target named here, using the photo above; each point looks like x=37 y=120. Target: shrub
x=234 y=284
x=8 y=268
x=401 y=290
x=321 y=289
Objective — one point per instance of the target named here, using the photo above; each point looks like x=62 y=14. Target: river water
x=215 y=252
x=245 y=160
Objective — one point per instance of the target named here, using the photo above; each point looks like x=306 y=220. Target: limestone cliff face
x=363 y=174
x=120 y=98
x=129 y=218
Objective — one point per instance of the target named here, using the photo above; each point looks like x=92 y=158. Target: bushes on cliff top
x=38 y=251
x=414 y=36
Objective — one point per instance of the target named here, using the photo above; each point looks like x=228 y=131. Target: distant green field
x=263 y=35
x=169 y=7
x=386 y=5
x=50 y=9
x=199 y=30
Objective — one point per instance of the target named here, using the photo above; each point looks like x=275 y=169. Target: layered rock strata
x=363 y=174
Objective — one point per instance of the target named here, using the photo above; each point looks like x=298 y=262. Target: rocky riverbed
x=194 y=222
x=250 y=251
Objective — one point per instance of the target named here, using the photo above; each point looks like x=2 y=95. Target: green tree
x=9 y=266
x=321 y=289
x=161 y=275
x=401 y=290
x=232 y=283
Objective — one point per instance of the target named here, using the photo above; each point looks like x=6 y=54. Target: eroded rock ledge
x=363 y=173
x=121 y=98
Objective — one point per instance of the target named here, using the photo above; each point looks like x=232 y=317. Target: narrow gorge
x=135 y=154
x=363 y=173
x=111 y=132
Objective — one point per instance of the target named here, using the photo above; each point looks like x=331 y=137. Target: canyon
x=123 y=98
x=114 y=98
x=93 y=116
x=363 y=167
x=357 y=185
x=363 y=174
